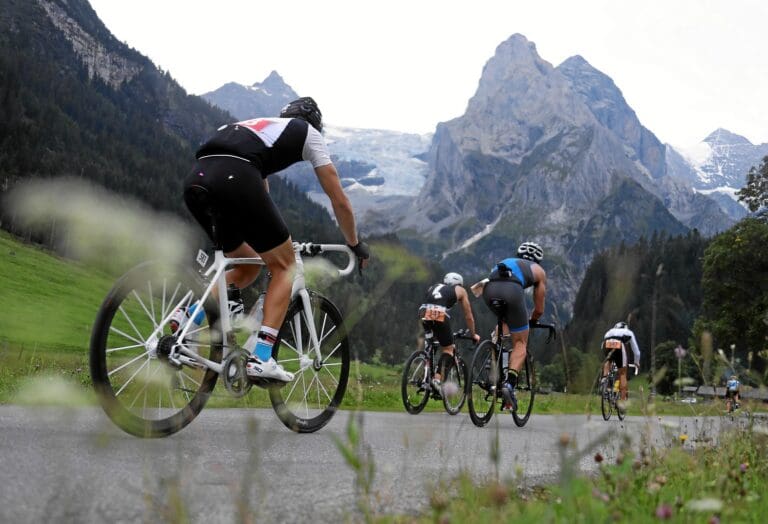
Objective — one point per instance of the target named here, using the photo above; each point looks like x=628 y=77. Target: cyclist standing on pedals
x=230 y=176
x=507 y=281
x=435 y=317
x=615 y=339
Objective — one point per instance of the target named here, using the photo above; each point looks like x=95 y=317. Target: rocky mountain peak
x=274 y=83
x=264 y=98
x=722 y=136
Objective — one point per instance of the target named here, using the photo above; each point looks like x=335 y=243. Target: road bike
x=610 y=395
x=416 y=385
x=488 y=373
x=153 y=380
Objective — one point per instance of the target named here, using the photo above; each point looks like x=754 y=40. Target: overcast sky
x=686 y=67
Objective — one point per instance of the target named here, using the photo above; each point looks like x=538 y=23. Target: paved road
x=73 y=465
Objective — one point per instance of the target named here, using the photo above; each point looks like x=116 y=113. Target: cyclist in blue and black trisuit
x=435 y=317
x=507 y=281
x=231 y=175
x=732 y=393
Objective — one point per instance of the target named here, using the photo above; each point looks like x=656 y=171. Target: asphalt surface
x=74 y=465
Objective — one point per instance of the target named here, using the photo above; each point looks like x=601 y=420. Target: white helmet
x=620 y=325
x=453 y=279
x=530 y=251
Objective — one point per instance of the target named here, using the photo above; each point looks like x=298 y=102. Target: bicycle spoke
x=123 y=348
x=128 y=364
x=130 y=379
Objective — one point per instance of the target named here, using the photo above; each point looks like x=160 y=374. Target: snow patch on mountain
x=398 y=158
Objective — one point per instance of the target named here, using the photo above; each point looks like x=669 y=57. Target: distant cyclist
x=507 y=281
x=732 y=393
x=231 y=175
x=435 y=317
x=615 y=343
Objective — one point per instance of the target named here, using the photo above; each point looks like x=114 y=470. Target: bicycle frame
x=181 y=354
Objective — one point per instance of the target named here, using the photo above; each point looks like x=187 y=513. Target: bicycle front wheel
x=525 y=392
x=415 y=385
x=310 y=401
x=140 y=388
x=621 y=408
x=454 y=390
x=482 y=385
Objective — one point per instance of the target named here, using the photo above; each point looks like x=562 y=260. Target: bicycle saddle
x=498 y=305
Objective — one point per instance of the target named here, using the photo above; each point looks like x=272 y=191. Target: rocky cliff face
x=111 y=67
x=549 y=154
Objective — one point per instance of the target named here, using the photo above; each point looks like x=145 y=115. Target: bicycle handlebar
x=309 y=249
x=463 y=333
x=535 y=324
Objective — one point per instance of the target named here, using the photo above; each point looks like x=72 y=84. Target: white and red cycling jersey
x=271 y=144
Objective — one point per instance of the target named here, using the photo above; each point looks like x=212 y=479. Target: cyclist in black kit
x=435 y=316
x=508 y=280
x=231 y=175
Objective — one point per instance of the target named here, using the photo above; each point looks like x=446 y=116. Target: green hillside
x=48 y=303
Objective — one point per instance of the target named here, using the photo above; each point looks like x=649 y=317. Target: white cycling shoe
x=270 y=370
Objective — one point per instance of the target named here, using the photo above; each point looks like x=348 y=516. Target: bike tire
x=309 y=402
x=483 y=382
x=139 y=390
x=525 y=392
x=606 y=402
x=415 y=385
x=455 y=373
x=620 y=412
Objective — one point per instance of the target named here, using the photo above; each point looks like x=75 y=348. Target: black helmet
x=306 y=109
x=530 y=251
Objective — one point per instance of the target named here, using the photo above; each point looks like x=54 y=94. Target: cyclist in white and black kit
x=435 y=317
x=508 y=281
x=615 y=343
x=230 y=177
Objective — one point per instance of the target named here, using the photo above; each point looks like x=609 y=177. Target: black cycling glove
x=361 y=250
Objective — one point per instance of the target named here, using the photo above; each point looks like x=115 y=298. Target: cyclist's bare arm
x=463 y=298
x=539 y=291
x=342 y=208
x=635 y=349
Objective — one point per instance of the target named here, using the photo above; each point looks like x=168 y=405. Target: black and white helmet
x=620 y=325
x=306 y=109
x=453 y=279
x=530 y=251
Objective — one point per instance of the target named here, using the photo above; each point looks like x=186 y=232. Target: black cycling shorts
x=441 y=330
x=515 y=313
x=245 y=212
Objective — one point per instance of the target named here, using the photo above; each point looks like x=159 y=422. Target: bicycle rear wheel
x=525 y=392
x=415 y=384
x=310 y=401
x=606 y=402
x=482 y=389
x=140 y=389
x=454 y=390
